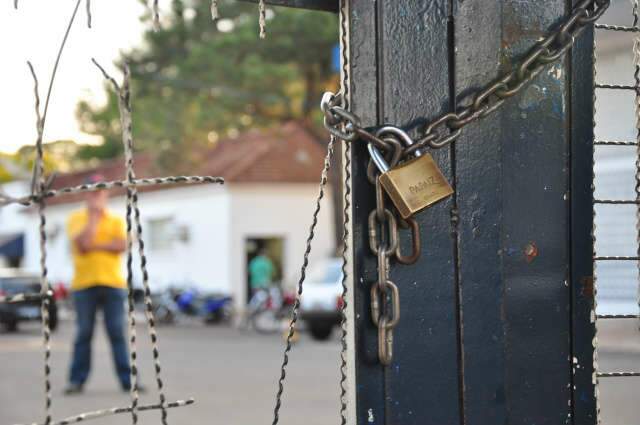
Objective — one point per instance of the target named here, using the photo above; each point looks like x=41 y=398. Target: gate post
x=495 y=321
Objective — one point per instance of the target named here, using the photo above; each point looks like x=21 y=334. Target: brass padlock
x=413 y=185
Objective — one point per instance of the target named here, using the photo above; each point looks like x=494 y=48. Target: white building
x=204 y=235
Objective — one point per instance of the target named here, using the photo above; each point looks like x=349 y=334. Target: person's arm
x=118 y=242
x=115 y=246
x=84 y=240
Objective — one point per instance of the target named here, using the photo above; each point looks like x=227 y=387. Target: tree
x=61 y=156
x=195 y=80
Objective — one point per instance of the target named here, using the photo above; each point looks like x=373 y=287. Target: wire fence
x=604 y=236
x=41 y=192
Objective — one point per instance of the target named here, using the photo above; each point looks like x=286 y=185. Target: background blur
x=211 y=98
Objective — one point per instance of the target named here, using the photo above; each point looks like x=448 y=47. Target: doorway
x=272 y=248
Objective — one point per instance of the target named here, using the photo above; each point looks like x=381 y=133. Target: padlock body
x=415 y=185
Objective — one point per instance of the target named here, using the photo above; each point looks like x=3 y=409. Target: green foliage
x=60 y=156
x=194 y=80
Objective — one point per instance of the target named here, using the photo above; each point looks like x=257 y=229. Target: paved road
x=233 y=377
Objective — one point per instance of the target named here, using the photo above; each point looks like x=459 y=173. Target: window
x=161 y=233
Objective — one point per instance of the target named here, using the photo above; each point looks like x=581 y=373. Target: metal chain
x=447 y=128
x=385 y=299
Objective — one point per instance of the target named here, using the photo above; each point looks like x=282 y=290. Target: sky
x=34 y=32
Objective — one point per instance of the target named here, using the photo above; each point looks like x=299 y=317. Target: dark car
x=13 y=282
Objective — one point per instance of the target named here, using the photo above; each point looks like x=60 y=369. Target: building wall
x=190 y=248
x=278 y=211
x=615 y=178
x=196 y=235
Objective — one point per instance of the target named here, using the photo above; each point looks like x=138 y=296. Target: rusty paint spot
x=587 y=286
x=530 y=252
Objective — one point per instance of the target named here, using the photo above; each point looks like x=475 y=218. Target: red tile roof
x=290 y=153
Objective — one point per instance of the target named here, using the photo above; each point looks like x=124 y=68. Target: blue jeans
x=87 y=302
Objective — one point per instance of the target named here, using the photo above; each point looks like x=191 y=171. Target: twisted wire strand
x=156 y=15
x=620 y=28
x=123 y=107
x=88 y=5
x=117 y=184
x=636 y=78
x=305 y=263
x=345 y=81
x=82 y=417
x=594 y=319
x=345 y=274
x=124 y=96
x=215 y=13
x=262 y=19
x=38 y=187
x=44 y=281
x=40 y=192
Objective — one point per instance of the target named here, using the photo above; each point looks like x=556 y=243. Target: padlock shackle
x=400 y=134
x=377 y=158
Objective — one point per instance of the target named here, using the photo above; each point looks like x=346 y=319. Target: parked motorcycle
x=270 y=309
x=174 y=304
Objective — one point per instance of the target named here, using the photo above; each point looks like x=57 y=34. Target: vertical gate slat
x=535 y=204
x=370 y=394
x=581 y=226
x=522 y=255
x=422 y=383
x=479 y=194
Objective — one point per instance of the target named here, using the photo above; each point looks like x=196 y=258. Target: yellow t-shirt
x=96 y=267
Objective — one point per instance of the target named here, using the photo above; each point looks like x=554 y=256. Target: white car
x=322 y=298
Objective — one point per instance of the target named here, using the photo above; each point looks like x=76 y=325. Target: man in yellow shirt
x=97 y=238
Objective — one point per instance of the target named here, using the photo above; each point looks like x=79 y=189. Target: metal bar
x=25 y=297
x=615 y=143
x=616 y=202
x=617 y=28
x=617 y=374
x=325 y=5
x=363 y=41
x=581 y=115
x=615 y=87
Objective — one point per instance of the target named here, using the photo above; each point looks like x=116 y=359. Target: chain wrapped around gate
x=411 y=179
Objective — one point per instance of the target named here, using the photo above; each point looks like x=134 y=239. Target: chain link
x=447 y=128
x=385 y=297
